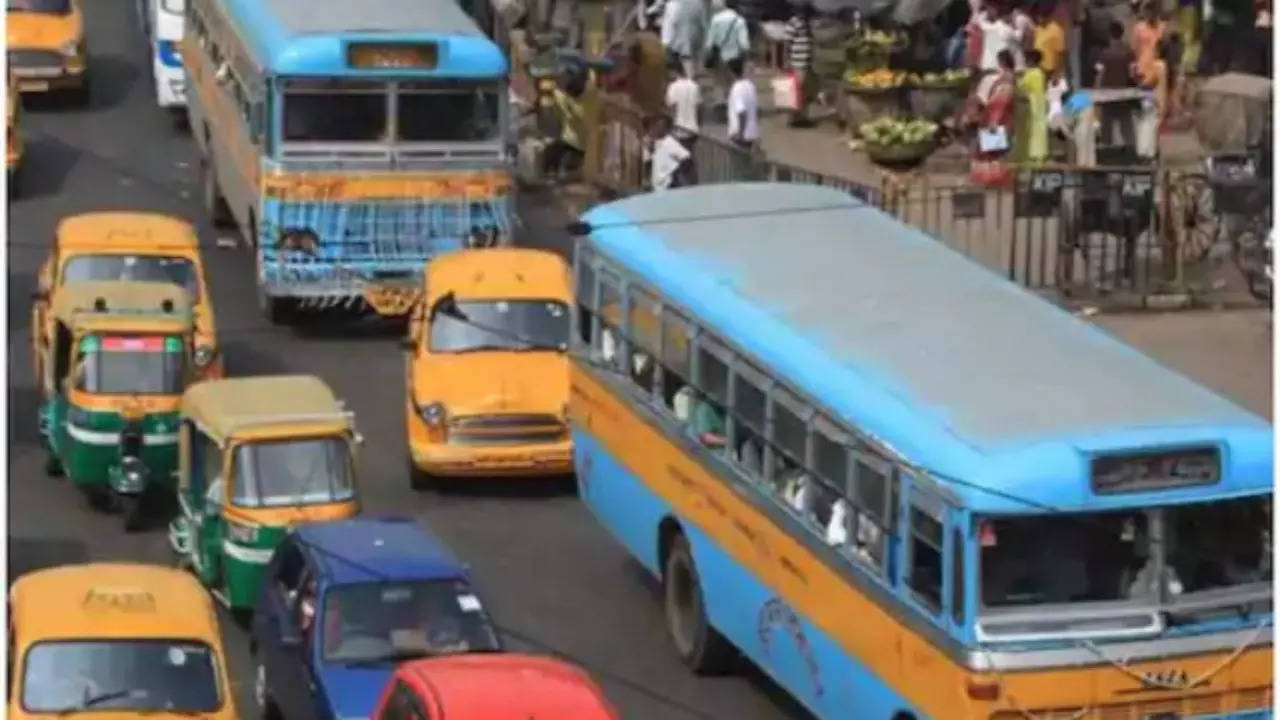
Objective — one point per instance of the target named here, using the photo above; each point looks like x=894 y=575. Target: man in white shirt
x=744 y=125
x=998 y=34
x=683 y=99
x=669 y=158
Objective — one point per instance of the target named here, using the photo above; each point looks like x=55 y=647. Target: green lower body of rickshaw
x=93 y=466
x=243 y=566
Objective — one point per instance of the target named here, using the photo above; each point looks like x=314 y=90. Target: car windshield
x=389 y=622
x=447 y=113
x=335 y=111
x=118 y=365
x=145 y=268
x=502 y=325
x=293 y=472
x=121 y=675
x=1079 y=558
x=48 y=7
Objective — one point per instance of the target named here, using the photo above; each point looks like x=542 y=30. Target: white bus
x=162 y=23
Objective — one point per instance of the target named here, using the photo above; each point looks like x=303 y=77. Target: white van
x=162 y=23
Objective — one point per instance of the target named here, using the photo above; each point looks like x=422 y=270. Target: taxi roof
x=509 y=273
x=123 y=301
x=126 y=230
x=235 y=405
x=367 y=549
x=111 y=600
x=509 y=685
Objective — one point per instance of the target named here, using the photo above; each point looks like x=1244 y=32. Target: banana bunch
x=950 y=77
x=891 y=131
x=882 y=79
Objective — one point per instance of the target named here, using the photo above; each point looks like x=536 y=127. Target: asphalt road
x=551 y=576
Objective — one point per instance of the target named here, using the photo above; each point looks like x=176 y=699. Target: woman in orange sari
x=996 y=97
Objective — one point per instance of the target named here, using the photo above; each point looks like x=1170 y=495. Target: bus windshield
x=121 y=675
x=45 y=7
x=143 y=268
x=1081 y=558
x=293 y=472
x=502 y=325
x=389 y=622
x=358 y=112
x=117 y=365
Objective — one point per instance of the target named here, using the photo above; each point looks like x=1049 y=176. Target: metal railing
x=1139 y=236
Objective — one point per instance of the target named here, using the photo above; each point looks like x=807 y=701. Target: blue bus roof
x=1001 y=395
x=297 y=37
x=371 y=549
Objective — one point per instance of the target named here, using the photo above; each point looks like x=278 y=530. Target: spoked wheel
x=1196 y=224
x=700 y=647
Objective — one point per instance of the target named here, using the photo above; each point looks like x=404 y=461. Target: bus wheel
x=276 y=310
x=702 y=649
x=214 y=203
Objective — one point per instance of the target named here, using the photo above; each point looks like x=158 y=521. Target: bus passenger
x=704 y=420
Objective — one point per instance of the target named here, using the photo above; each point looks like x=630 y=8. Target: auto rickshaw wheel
x=53 y=466
x=101 y=499
x=134 y=509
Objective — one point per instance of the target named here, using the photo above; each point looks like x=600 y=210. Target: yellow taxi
x=13 y=136
x=115 y=640
x=488 y=377
x=46 y=44
x=133 y=246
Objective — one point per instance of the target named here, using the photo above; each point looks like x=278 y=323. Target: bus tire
x=700 y=647
x=214 y=203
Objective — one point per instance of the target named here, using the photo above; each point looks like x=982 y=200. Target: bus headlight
x=203 y=356
x=433 y=414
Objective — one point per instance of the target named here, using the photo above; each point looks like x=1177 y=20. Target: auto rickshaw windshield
x=138 y=268
x=300 y=471
x=119 y=365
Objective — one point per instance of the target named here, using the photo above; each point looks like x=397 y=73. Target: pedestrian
x=727 y=40
x=1147 y=33
x=995 y=124
x=800 y=59
x=669 y=158
x=998 y=35
x=682 y=101
x=684 y=26
x=1025 y=27
x=565 y=152
x=1032 y=132
x=1050 y=41
x=744 y=121
x=1115 y=66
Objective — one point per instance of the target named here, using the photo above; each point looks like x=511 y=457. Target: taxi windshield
x=47 y=7
x=120 y=365
x=306 y=471
x=142 y=268
x=501 y=325
x=371 y=623
x=120 y=675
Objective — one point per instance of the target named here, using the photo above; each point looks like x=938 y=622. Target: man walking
x=727 y=40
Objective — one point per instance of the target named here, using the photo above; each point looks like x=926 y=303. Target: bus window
x=586 y=294
x=676 y=334
x=643 y=330
x=709 y=398
x=435 y=112
x=874 y=512
x=335 y=111
x=1220 y=544
x=748 y=422
x=957 y=576
x=925 y=578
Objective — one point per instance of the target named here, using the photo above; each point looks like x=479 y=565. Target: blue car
x=343 y=602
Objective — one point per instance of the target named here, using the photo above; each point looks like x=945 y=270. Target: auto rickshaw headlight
x=70 y=49
x=241 y=533
x=433 y=414
x=203 y=356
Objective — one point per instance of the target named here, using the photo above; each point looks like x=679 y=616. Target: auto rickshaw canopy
x=265 y=405
x=112 y=600
x=123 y=305
x=120 y=231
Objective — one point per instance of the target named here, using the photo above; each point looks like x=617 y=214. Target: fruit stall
x=890 y=141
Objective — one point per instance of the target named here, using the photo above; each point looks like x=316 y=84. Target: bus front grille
x=510 y=429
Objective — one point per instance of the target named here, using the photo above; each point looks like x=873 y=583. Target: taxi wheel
x=79 y=95
x=420 y=480
x=700 y=647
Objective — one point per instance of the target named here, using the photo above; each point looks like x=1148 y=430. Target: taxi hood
x=42 y=30
x=471 y=383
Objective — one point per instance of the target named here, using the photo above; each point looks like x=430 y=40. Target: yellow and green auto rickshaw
x=258 y=456
x=112 y=374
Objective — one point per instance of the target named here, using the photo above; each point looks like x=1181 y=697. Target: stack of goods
x=893 y=141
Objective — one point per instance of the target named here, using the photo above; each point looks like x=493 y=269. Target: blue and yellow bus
x=349 y=142
x=903 y=486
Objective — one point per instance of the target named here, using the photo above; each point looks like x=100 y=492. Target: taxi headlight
x=433 y=414
x=204 y=356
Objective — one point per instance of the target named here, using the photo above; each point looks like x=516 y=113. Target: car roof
x=498 y=273
x=111 y=600
x=365 y=549
x=902 y=337
x=229 y=406
x=508 y=686
x=123 y=229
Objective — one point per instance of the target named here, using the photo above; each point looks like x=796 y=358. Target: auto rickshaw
x=112 y=374
x=257 y=457
x=135 y=246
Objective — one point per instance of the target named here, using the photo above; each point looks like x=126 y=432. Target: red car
x=500 y=686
